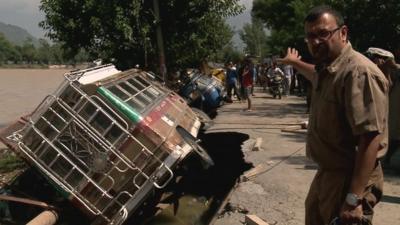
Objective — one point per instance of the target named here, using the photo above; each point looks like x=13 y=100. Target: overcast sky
x=26 y=14
x=245 y=17
x=23 y=13
x=238 y=21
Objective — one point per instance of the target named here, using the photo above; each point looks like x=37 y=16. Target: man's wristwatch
x=353 y=200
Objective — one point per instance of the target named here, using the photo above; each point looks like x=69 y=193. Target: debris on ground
x=233 y=208
x=10 y=166
x=252 y=145
x=248 y=145
x=260 y=168
x=254 y=220
x=257 y=145
x=300 y=128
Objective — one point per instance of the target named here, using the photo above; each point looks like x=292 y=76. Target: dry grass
x=10 y=166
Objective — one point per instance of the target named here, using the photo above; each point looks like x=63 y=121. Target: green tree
x=44 y=52
x=7 y=50
x=57 y=54
x=254 y=37
x=371 y=23
x=124 y=30
x=81 y=57
x=284 y=19
x=28 y=52
x=231 y=54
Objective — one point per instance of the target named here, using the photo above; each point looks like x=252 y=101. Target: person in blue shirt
x=232 y=82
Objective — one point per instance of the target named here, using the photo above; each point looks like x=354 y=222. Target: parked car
x=105 y=139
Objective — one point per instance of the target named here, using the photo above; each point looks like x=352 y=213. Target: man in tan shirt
x=385 y=61
x=348 y=122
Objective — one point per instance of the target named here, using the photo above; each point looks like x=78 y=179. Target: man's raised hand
x=292 y=55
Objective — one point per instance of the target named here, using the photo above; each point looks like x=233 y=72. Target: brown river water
x=21 y=90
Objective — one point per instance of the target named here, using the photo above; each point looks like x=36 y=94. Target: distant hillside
x=15 y=34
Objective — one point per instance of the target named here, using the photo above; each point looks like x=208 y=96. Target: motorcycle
x=275 y=85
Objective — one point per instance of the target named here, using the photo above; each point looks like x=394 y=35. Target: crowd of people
x=241 y=82
x=241 y=78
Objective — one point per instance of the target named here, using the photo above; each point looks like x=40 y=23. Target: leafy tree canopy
x=124 y=30
x=44 y=54
x=7 y=50
x=371 y=23
x=254 y=37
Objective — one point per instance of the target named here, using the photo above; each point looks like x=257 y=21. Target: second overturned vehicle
x=202 y=91
x=106 y=138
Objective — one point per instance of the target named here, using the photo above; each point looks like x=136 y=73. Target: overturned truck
x=106 y=138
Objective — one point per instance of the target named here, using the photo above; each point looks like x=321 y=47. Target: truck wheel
x=190 y=140
x=205 y=120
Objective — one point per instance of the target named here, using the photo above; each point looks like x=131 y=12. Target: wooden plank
x=298 y=131
x=260 y=168
x=254 y=220
x=47 y=217
x=301 y=128
x=257 y=145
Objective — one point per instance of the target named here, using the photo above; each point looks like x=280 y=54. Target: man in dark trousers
x=347 y=131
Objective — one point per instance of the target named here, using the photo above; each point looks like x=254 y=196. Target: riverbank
x=42 y=66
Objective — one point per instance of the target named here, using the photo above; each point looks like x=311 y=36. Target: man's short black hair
x=318 y=11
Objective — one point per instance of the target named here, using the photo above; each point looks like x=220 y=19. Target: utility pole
x=160 y=44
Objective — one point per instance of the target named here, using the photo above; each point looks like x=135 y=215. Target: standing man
x=288 y=71
x=347 y=131
x=254 y=73
x=232 y=82
x=247 y=83
x=385 y=61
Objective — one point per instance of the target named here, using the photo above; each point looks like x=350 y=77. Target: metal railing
x=87 y=149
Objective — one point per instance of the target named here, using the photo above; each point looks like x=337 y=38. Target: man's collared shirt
x=350 y=98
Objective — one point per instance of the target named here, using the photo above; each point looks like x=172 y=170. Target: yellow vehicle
x=215 y=69
x=219 y=73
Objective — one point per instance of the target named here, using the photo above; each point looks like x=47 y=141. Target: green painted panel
x=123 y=107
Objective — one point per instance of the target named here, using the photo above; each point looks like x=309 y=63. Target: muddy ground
x=276 y=195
